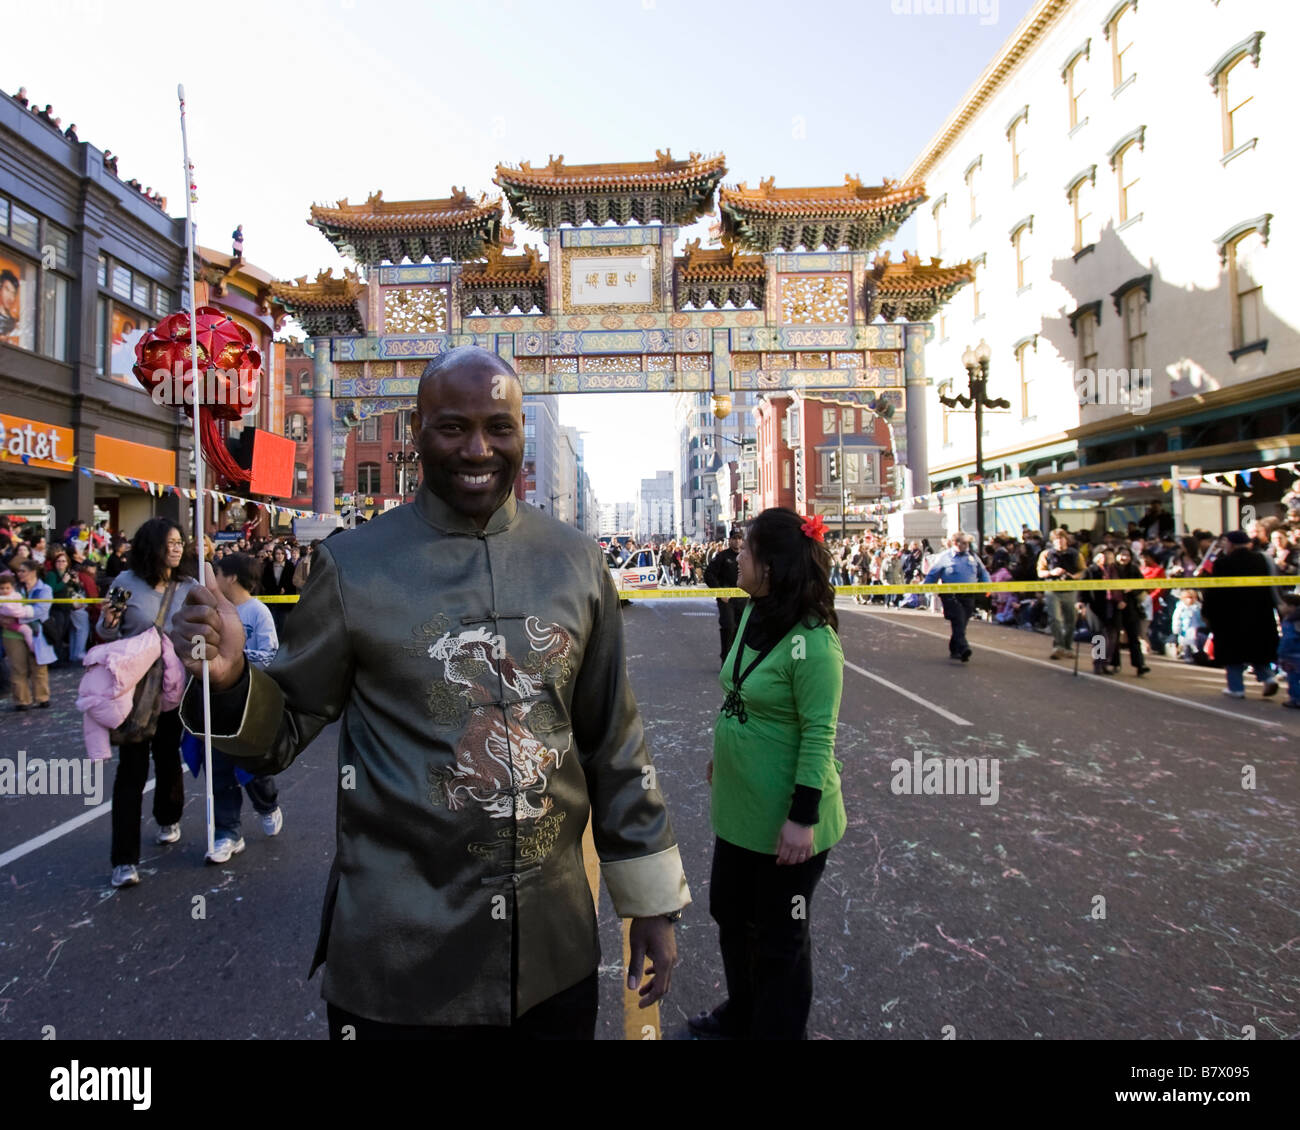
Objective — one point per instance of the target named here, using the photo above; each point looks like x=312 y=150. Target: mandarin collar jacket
x=481 y=681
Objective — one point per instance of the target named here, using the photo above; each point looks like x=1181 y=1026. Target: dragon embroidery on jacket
x=501 y=763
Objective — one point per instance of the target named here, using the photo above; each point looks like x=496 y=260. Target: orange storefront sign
x=44 y=445
x=135 y=460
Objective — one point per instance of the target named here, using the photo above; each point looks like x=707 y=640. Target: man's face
x=735 y=543
x=471 y=442
x=1061 y=543
x=961 y=545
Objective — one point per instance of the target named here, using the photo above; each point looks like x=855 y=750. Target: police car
x=639 y=571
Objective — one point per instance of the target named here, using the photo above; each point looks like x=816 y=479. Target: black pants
x=569 y=1015
x=762 y=912
x=729 y=613
x=128 y=785
x=1130 y=625
x=957 y=610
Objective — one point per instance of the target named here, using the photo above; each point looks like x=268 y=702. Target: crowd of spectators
x=46 y=115
x=82 y=562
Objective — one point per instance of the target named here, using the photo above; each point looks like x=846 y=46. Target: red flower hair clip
x=813 y=527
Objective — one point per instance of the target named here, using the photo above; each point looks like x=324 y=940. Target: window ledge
x=1078 y=126
x=1244 y=147
x=979 y=317
x=1024 y=289
x=943 y=341
x=1123 y=86
x=1086 y=249
x=1130 y=222
x=1019 y=179
x=1028 y=420
x=1260 y=346
x=976 y=220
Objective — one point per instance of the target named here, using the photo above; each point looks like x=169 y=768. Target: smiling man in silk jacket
x=473 y=647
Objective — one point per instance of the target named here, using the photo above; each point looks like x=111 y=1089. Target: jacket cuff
x=245 y=717
x=805 y=808
x=647 y=886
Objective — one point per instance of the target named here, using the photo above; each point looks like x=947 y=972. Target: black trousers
x=764 y=932
x=957 y=610
x=729 y=613
x=128 y=785
x=569 y=1015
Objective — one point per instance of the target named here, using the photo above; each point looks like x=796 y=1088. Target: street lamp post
x=976 y=361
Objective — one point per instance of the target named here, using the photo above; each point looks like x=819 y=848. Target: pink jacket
x=107 y=689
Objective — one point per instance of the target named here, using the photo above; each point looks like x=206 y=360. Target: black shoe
x=711 y=1025
x=44 y=704
x=19 y=707
x=1142 y=671
x=965 y=656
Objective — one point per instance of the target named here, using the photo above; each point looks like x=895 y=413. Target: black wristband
x=804 y=808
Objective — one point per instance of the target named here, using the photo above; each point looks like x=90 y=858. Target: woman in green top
x=776 y=805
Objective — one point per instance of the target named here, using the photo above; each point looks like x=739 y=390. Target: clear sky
x=292 y=102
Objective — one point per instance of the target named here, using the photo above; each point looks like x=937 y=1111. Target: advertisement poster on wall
x=127 y=329
x=17 y=303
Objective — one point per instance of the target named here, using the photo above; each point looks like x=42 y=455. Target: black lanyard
x=733 y=706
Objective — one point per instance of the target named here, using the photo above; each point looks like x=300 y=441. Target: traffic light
x=835 y=466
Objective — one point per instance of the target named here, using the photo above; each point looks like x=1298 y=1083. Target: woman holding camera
x=155 y=587
x=777 y=807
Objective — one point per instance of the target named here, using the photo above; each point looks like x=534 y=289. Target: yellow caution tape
x=1089 y=585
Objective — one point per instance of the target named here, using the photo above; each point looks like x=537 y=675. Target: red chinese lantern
x=229 y=368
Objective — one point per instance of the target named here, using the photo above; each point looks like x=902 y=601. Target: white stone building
x=1117 y=174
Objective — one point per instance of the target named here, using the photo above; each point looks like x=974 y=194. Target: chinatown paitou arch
x=787 y=301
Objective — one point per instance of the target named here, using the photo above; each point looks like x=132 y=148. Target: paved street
x=935 y=910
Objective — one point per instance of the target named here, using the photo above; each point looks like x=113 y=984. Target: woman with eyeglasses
x=154 y=584
x=777 y=808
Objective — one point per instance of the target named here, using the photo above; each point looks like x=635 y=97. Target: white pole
x=198 y=457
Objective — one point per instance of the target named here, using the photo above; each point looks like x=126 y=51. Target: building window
x=23 y=226
x=851 y=468
x=976 y=286
x=1075 y=89
x=140 y=292
x=369 y=430
x=17 y=302
x=785 y=473
x=54 y=317
x=1135 y=327
x=101 y=334
x=1016 y=136
x=1086 y=328
x=1128 y=165
x=56 y=239
x=401 y=425
x=101 y=271
x=162 y=301
x=122 y=282
x=972 y=187
x=1025 y=374
x=1247 y=293
x=1081 y=204
x=938 y=225
x=847 y=416
x=304 y=383
x=1120 y=33
x=1237 y=103
x=126 y=327
x=368 y=477
x=297 y=429
x=1020 y=241
x=828 y=421
x=300 y=480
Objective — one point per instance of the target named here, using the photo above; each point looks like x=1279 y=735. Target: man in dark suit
x=723 y=573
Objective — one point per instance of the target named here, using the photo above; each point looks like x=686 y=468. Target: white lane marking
x=908 y=694
x=687 y=613
x=1067 y=666
x=61 y=830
